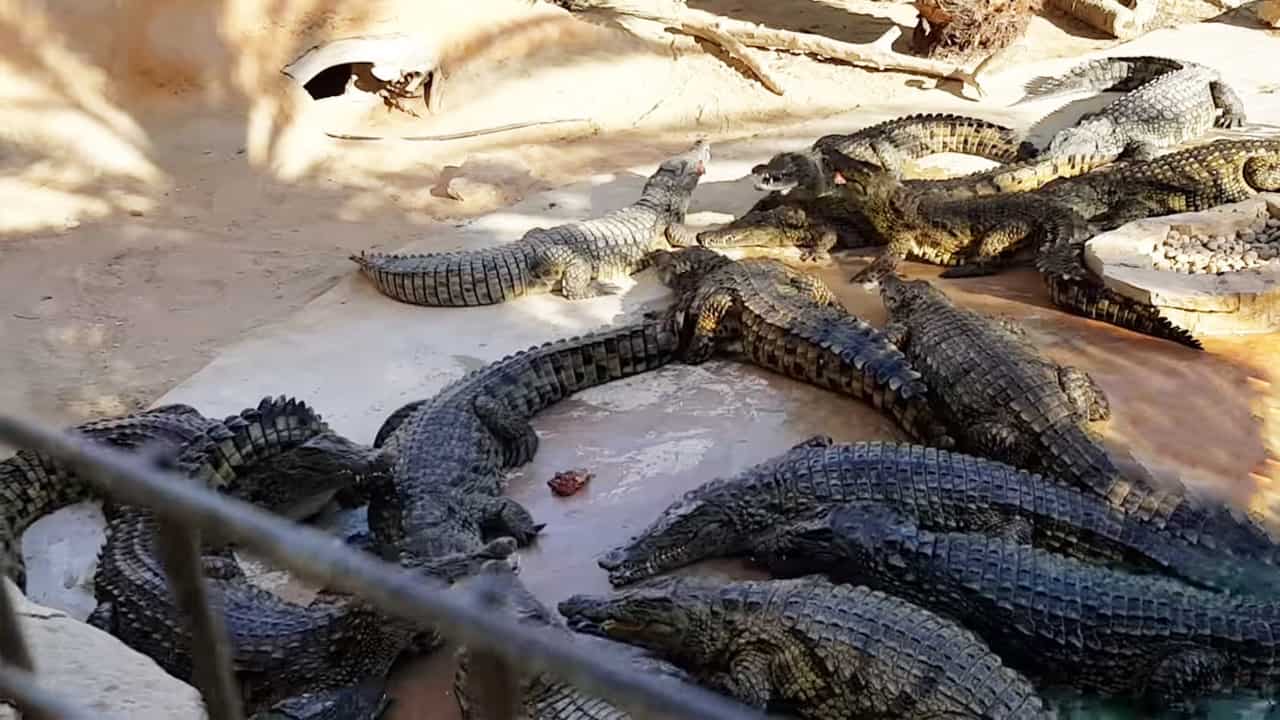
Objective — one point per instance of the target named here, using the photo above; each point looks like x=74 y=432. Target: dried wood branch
x=1110 y=16
x=735 y=37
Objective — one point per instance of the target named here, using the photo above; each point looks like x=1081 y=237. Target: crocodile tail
x=451 y=279
x=1074 y=288
x=1213 y=525
x=249 y=437
x=928 y=133
x=1110 y=74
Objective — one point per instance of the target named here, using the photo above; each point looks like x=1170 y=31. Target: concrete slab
x=1247 y=301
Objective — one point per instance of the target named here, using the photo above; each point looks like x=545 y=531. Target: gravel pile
x=1254 y=248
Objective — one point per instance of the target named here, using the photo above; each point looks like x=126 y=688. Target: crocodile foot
x=365 y=701
x=880 y=268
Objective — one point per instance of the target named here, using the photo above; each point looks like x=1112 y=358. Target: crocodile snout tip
x=611 y=560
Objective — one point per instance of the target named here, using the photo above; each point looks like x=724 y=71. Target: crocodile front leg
x=575 y=273
x=1180 y=678
x=504 y=517
x=679 y=235
x=885 y=264
x=1084 y=393
x=1226 y=100
x=518 y=438
x=748 y=678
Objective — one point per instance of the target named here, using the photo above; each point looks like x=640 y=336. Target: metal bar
x=324 y=560
x=13 y=647
x=179 y=550
x=34 y=701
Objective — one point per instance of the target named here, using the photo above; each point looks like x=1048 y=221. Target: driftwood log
x=737 y=37
x=1115 y=18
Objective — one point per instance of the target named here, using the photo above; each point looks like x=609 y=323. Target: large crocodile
x=542 y=696
x=447 y=453
x=790 y=322
x=939 y=490
x=577 y=258
x=817 y=649
x=33 y=485
x=891 y=144
x=1004 y=400
x=1179 y=102
x=1062 y=621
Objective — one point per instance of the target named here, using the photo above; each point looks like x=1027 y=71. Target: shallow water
x=1206 y=417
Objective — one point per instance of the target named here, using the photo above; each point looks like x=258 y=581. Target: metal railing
x=501 y=645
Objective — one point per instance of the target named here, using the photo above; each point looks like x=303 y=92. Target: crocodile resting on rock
x=1005 y=401
x=891 y=144
x=1062 y=621
x=1169 y=103
x=577 y=258
x=791 y=323
x=447 y=453
x=542 y=696
x=940 y=491
x=33 y=485
x=820 y=650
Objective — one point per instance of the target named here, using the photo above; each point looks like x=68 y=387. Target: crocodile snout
x=611 y=560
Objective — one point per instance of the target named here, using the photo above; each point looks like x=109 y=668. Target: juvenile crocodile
x=542 y=696
x=790 y=322
x=1065 y=622
x=577 y=258
x=821 y=650
x=940 y=491
x=1004 y=401
x=447 y=454
x=33 y=485
x=1176 y=106
x=891 y=144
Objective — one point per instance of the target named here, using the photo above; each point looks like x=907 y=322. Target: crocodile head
x=671 y=616
x=901 y=297
x=786 y=171
x=699 y=525
x=670 y=188
x=321 y=465
x=857 y=179
x=780 y=226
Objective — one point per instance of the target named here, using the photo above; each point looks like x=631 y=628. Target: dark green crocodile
x=939 y=490
x=1177 y=102
x=447 y=454
x=816 y=649
x=542 y=696
x=852 y=216
x=33 y=485
x=1003 y=400
x=891 y=144
x=790 y=322
x=1062 y=621
x=577 y=258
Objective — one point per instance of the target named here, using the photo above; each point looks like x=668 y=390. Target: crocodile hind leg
x=748 y=678
x=1086 y=396
x=1179 y=679
x=995 y=439
x=884 y=264
x=502 y=516
x=993 y=250
x=365 y=701
x=1226 y=100
x=519 y=441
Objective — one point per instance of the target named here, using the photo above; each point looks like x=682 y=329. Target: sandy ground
x=176 y=203
x=165 y=194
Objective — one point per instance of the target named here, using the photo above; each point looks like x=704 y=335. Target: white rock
x=98 y=672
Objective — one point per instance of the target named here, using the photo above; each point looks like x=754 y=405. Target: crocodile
x=303 y=661
x=940 y=491
x=1065 y=622
x=1003 y=400
x=847 y=217
x=446 y=454
x=891 y=144
x=812 y=647
x=1179 y=103
x=33 y=485
x=789 y=322
x=542 y=696
x=577 y=258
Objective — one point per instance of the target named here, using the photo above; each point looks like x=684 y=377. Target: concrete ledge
x=1227 y=303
